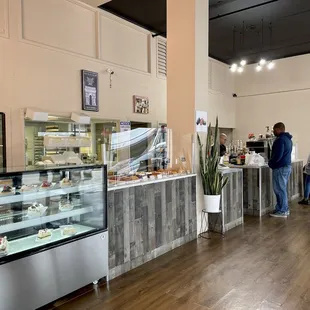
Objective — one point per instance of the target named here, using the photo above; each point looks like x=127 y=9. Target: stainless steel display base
x=34 y=281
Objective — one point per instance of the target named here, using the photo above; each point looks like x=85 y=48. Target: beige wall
x=280 y=95
x=46 y=44
x=221 y=102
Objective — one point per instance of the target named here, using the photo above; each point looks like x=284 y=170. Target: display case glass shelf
x=44 y=208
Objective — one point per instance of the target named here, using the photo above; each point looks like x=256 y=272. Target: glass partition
x=143 y=154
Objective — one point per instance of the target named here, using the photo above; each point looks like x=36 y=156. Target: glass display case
x=144 y=155
x=40 y=209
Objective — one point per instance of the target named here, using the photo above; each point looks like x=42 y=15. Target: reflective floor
x=262 y=265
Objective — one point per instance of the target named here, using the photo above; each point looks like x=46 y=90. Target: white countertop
x=256 y=166
x=230 y=170
x=142 y=183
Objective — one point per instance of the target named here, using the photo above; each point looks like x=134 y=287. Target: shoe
x=279 y=214
x=304 y=202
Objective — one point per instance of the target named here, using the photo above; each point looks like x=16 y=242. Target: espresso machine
x=262 y=147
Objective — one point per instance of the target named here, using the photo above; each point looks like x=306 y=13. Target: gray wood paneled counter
x=231 y=202
x=146 y=220
x=258 y=196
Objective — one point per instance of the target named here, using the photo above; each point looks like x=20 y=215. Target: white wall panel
x=124 y=45
x=63 y=24
x=4 y=14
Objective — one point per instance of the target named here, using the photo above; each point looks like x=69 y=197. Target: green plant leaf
x=212 y=179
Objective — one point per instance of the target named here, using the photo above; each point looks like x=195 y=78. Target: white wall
x=45 y=44
x=280 y=95
x=221 y=89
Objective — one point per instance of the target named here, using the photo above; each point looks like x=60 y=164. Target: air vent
x=161 y=57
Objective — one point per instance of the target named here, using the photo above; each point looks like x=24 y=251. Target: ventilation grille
x=161 y=57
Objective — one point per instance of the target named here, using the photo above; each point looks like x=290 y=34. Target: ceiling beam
x=241 y=10
x=95 y=3
x=159 y=34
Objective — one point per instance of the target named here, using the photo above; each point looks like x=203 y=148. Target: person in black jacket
x=280 y=163
x=223 y=140
x=222 y=150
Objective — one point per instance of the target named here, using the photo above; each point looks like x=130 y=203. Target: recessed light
x=240 y=69
x=270 y=65
x=243 y=63
x=259 y=68
x=262 y=62
x=233 y=68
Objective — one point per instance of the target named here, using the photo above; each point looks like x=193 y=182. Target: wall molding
x=77 y=3
x=4 y=29
x=98 y=14
x=130 y=26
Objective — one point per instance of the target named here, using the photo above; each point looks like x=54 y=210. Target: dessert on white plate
x=65 y=205
x=27 y=188
x=3 y=246
x=7 y=190
x=36 y=210
x=45 y=185
x=44 y=235
x=68 y=230
x=65 y=182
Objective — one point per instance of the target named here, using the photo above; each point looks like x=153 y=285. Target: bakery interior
x=126 y=181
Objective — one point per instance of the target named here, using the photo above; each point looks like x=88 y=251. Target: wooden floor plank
x=261 y=265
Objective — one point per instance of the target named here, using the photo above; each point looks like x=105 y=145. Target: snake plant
x=213 y=180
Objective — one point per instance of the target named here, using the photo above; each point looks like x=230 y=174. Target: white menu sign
x=125 y=126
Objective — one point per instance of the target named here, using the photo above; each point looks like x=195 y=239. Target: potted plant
x=213 y=180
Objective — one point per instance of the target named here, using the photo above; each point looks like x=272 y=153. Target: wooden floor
x=263 y=265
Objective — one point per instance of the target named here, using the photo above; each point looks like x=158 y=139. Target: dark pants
x=280 y=178
x=307 y=187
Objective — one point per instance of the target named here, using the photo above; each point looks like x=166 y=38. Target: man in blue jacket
x=280 y=163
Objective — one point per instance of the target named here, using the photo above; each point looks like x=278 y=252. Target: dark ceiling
x=248 y=29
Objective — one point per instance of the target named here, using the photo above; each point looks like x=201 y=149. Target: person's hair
x=223 y=135
x=280 y=126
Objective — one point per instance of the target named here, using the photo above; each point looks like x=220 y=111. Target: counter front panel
x=146 y=221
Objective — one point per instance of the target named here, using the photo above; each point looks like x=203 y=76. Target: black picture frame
x=90 y=101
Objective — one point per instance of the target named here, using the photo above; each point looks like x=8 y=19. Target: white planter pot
x=212 y=203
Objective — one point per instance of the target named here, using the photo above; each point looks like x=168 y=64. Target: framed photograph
x=90 y=91
x=141 y=105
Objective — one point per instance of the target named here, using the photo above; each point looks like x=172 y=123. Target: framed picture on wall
x=90 y=100
x=141 y=105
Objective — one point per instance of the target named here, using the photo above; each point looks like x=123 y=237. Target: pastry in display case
x=36 y=210
x=3 y=246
